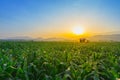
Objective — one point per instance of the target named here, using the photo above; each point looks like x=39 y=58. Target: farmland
x=59 y=60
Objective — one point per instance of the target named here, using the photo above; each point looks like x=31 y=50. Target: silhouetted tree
x=83 y=40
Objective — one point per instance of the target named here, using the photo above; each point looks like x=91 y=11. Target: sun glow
x=78 y=30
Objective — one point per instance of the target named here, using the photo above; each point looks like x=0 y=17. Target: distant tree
x=83 y=40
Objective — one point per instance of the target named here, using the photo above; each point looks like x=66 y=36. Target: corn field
x=28 y=60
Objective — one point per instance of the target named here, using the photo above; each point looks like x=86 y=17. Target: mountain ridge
x=112 y=37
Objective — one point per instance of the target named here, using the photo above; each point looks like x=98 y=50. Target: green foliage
x=59 y=61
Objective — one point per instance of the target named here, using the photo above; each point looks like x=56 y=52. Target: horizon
x=58 y=18
x=98 y=38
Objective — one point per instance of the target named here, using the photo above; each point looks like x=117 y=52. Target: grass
x=59 y=61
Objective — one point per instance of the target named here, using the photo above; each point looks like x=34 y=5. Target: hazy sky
x=48 y=18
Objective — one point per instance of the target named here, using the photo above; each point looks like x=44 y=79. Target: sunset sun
x=78 y=30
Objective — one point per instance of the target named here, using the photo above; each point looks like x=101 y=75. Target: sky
x=57 y=18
